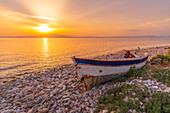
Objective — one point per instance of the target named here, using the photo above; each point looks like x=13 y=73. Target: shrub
x=160 y=103
x=116 y=100
x=162 y=75
x=166 y=58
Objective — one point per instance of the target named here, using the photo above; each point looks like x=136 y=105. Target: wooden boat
x=94 y=72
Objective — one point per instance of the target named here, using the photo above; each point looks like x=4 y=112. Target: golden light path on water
x=45 y=47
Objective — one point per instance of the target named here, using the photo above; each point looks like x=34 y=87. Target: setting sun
x=44 y=28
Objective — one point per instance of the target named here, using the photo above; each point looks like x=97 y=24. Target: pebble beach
x=60 y=90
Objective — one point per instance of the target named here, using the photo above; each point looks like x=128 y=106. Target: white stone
x=139 y=80
x=104 y=111
x=77 y=92
x=167 y=90
x=9 y=91
x=146 y=81
x=64 y=87
x=155 y=87
x=58 y=111
x=15 y=89
x=53 y=92
x=30 y=111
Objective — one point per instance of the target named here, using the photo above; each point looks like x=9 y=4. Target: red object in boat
x=129 y=55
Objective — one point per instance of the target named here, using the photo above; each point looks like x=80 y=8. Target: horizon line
x=67 y=36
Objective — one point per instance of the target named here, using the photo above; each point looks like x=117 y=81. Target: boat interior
x=122 y=55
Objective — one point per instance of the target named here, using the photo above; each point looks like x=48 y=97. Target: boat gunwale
x=114 y=60
x=108 y=65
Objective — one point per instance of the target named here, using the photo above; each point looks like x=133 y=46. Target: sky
x=84 y=17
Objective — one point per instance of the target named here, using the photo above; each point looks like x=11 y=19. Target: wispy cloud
x=25 y=18
x=133 y=30
x=15 y=5
x=157 y=27
x=153 y=24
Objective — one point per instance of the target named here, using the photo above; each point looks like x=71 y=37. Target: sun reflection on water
x=45 y=47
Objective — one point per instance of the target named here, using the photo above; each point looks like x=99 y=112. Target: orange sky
x=85 y=17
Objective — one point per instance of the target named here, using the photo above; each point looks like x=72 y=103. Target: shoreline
x=18 y=76
x=60 y=90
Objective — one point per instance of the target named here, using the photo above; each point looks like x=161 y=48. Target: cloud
x=133 y=30
x=26 y=18
x=157 y=27
x=15 y=5
x=151 y=25
x=155 y=24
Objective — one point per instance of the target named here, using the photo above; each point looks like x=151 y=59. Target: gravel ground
x=61 y=90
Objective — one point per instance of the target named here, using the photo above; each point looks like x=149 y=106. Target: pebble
x=15 y=89
x=156 y=87
x=58 y=91
x=66 y=99
x=105 y=111
x=64 y=87
x=44 y=110
x=30 y=111
x=53 y=92
x=8 y=111
x=58 y=111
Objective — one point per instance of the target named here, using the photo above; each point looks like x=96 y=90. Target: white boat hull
x=94 y=72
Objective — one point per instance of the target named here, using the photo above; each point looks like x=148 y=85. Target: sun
x=44 y=28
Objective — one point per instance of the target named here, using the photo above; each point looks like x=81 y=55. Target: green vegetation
x=164 y=58
x=126 y=98
x=162 y=75
x=159 y=72
x=159 y=103
x=137 y=98
x=133 y=73
x=167 y=48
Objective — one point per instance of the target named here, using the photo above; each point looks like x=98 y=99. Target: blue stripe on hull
x=105 y=63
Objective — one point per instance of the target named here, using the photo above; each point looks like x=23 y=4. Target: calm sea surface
x=24 y=55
